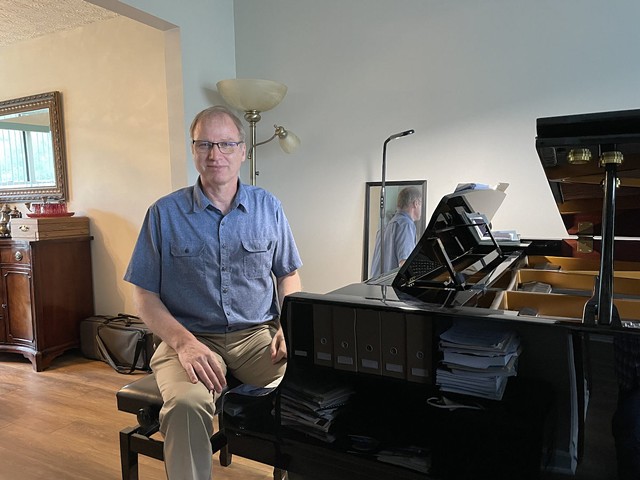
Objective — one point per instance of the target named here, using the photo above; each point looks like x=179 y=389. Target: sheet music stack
x=311 y=406
x=478 y=359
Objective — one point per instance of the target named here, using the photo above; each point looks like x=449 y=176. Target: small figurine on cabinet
x=4 y=221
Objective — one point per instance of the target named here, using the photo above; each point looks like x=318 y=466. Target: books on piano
x=477 y=359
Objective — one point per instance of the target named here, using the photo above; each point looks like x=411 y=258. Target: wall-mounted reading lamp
x=253 y=97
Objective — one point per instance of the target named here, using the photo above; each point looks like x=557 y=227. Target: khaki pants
x=186 y=418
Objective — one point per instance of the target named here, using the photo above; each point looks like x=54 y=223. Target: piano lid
x=570 y=149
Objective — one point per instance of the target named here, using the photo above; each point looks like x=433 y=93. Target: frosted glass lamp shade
x=251 y=94
x=289 y=141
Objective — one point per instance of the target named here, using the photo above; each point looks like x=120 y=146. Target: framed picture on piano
x=372 y=216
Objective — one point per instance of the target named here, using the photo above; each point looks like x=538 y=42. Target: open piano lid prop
x=592 y=162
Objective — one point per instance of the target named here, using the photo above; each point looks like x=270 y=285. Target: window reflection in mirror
x=26 y=150
x=32 y=157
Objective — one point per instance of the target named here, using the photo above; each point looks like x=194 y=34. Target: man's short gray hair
x=215 y=111
x=407 y=196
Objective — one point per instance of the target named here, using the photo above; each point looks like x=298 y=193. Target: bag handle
x=104 y=353
x=125 y=318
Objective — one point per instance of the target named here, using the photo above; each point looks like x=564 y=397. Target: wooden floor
x=63 y=424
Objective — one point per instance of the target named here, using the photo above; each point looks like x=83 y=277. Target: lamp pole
x=252 y=117
x=383 y=194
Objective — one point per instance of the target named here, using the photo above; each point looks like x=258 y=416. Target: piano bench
x=142 y=398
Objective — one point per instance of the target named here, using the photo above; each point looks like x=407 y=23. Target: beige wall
x=114 y=93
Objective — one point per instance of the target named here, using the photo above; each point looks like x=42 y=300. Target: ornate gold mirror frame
x=14 y=113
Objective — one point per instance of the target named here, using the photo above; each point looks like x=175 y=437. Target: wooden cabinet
x=46 y=289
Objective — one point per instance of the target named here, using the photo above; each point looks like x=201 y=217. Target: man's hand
x=278 y=346
x=197 y=360
x=201 y=365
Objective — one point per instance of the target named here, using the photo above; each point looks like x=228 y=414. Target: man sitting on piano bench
x=202 y=272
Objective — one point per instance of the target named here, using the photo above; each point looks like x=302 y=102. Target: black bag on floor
x=123 y=341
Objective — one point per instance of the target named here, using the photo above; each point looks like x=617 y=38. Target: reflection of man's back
x=399 y=233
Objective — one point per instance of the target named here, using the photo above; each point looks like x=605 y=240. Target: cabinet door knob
x=23 y=228
x=18 y=256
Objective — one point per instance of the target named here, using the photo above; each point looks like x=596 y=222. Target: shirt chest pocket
x=257 y=258
x=187 y=259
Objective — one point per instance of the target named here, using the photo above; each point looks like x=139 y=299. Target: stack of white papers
x=506 y=235
x=478 y=358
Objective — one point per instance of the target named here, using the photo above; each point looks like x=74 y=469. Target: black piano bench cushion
x=143 y=392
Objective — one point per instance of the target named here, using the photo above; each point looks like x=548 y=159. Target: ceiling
x=26 y=19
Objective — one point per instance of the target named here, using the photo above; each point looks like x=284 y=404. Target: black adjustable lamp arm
x=383 y=195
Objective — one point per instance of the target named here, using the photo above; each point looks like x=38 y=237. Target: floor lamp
x=383 y=194
x=254 y=96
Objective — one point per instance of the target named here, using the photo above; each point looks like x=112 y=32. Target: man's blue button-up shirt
x=399 y=242
x=212 y=271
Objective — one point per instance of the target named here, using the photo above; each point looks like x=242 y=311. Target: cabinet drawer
x=16 y=254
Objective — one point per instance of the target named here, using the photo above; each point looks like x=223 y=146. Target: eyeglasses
x=204 y=147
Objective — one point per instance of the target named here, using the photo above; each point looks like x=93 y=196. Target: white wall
x=470 y=77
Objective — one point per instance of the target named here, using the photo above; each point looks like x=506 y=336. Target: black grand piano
x=380 y=339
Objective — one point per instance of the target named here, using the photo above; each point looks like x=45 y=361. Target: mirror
x=372 y=214
x=32 y=156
